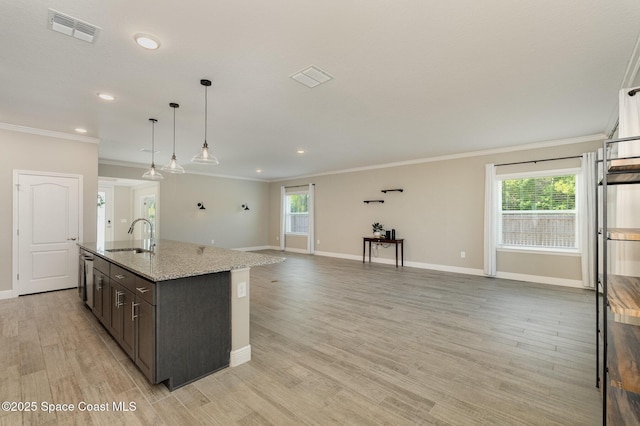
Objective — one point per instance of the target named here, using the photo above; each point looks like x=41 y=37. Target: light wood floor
x=334 y=342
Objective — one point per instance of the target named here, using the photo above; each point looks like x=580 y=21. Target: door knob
x=71 y=239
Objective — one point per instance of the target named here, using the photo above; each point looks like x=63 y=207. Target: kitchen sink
x=133 y=249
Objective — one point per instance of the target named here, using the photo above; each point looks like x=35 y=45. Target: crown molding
x=119 y=163
x=537 y=145
x=49 y=133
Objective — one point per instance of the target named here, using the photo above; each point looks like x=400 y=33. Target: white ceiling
x=412 y=79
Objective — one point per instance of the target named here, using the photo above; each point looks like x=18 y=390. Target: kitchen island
x=180 y=311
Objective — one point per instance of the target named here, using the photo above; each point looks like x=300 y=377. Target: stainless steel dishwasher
x=85 y=278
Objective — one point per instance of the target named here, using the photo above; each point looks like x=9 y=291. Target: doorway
x=124 y=201
x=47 y=212
x=105 y=204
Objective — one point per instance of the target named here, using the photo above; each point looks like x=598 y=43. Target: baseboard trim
x=256 y=248
x=539 y=279
x=7 y=294
x=240 y=356
x=296 y=250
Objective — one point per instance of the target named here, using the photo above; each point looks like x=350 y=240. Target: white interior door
x=48 y=228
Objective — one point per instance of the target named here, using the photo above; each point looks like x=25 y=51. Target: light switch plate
x=242 y=289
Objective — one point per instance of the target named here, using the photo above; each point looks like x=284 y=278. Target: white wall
x=439 y=214
x=223 y=221
x=27 y=151
x=122 y=212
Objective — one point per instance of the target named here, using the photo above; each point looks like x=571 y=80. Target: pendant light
x=152 y=174
x=173 y=166
x=205 y=157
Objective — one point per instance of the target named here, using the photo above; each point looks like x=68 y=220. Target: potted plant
x=377 y=229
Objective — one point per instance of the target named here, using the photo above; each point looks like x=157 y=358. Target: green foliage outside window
x=542 y=193
x=298 y=203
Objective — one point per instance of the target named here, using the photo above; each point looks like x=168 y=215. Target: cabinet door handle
x=99 y=283
x=142 y=289
x=118 y=302
x=120 y=277
x=133 y=311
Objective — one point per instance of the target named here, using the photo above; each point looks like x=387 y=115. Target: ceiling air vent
x=73 y=27
x=311 y=76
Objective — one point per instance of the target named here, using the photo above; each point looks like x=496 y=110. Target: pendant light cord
x=206 y=89
x=174 y=132
x=153 y=138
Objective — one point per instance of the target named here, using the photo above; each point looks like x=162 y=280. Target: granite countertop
x=175 y=259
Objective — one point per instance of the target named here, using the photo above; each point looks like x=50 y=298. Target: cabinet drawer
x=145 y=289
x=122 y=276
x=101 y=265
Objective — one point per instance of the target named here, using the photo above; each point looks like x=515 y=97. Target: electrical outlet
x=213 y=242
x=277 y=238
x=318 y=242
x=242 y=289
x=463 y=254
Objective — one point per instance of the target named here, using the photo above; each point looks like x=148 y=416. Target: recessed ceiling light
x=147 y=41
x=106 y=96
x=300 y=151
x=258 y=170
x=80 y=130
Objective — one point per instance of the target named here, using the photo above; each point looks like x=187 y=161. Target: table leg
x=364 y=244
x=396 y=254
x=402 y=252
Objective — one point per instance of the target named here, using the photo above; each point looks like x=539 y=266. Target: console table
x=398 y=242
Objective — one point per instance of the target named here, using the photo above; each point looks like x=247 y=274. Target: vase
x=376 y=234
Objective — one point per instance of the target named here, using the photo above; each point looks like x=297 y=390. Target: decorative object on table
x=377 y=229
x=393 y=234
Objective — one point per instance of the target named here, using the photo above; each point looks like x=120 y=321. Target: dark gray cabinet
x=145 y=333
x=176 y=331
x=102 y=291
x=121 y=311
x=116 y=293
x=120 y=303
x=101 y=296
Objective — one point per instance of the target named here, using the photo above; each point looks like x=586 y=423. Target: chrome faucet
x=152 y=241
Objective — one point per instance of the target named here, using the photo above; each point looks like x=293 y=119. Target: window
x=297 y=213
x=538 y=212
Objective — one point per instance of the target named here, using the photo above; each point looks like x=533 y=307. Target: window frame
x=576 y=171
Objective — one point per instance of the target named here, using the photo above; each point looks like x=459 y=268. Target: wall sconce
x=245 y=207
x=201 y=206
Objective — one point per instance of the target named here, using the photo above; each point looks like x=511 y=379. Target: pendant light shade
x=152 y=174
x=205 y=156
x=173 y=166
